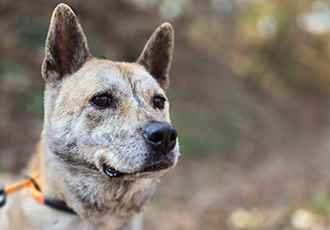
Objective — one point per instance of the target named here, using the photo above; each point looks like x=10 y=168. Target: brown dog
x=107 y=136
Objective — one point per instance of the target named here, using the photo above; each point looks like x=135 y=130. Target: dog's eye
x=159 y=102
x=101 y=101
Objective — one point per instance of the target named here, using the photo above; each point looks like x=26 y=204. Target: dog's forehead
x=102 y=75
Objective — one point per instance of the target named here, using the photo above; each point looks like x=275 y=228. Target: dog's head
x=104 y=115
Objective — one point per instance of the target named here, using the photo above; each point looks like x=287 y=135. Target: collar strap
x=38 y=196
x=35 y=192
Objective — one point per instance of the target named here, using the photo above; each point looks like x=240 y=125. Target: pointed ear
x=156 y=56
x=66 y=45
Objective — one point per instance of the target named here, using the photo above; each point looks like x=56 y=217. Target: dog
x=107 y=137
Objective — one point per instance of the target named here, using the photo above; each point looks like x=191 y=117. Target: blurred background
x=250 y=98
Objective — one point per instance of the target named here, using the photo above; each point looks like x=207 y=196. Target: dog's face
x=104 y=115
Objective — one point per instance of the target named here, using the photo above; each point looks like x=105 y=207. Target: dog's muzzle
x=161 y=138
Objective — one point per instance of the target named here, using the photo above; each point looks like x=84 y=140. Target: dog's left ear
x=157 y=55
x=66 y=45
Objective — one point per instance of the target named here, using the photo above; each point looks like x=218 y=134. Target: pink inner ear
x=64 y=48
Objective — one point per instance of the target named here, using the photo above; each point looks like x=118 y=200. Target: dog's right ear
x=66 y=45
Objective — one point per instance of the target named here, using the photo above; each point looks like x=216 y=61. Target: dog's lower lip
x=156 y=167
x=113 y=173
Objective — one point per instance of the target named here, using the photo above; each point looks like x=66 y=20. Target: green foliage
x=157 y=202
x=320 y=204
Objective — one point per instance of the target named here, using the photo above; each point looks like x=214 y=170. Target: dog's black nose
x=162 y=137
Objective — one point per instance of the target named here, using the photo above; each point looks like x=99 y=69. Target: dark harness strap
x=59 y=205
x=35 y=192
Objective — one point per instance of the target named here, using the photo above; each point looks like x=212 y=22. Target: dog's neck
x=100 y=201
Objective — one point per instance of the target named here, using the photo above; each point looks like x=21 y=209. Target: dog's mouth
x=113 y=173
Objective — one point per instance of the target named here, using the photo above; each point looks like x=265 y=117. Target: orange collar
x=35 y=191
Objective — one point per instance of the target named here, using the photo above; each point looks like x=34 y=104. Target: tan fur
x=79 y=138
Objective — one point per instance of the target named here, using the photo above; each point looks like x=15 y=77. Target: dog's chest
x=112 y=204
x=34 y=215
x=47 y=218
